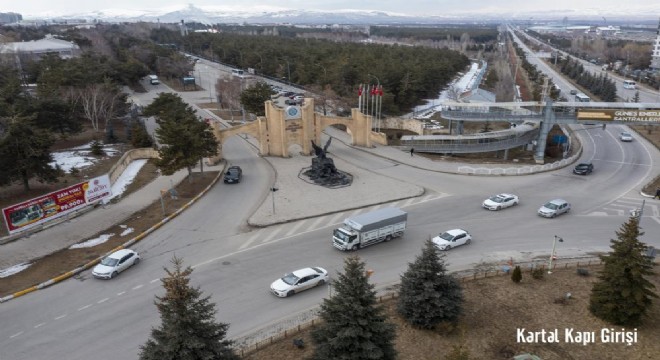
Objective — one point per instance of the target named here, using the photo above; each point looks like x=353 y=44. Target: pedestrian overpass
x=531 y=121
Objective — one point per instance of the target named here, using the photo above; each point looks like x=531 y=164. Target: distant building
x=655 y=56
x=35 y=49
x=10 y=18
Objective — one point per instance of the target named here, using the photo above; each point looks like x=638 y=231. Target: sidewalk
x=84 y=226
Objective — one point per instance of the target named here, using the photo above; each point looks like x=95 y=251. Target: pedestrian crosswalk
x=280 y=231
x=625 y=206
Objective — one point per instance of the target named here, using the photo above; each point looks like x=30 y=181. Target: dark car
x=583 y=168
x=233 y=175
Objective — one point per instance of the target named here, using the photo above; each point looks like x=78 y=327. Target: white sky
x=411 y=7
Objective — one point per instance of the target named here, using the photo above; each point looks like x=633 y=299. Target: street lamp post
x=552 y=254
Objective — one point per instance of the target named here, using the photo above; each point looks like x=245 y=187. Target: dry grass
x=494 y=309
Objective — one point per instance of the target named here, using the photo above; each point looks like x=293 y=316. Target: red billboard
x=36 y=211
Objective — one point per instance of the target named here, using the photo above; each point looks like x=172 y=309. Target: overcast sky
x=411 y=7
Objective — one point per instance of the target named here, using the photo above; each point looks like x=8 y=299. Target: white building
x=655 y=56
x=37 y=48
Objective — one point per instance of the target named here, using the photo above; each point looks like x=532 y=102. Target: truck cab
x=345 y=239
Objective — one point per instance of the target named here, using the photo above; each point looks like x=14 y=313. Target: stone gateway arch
x=283 y=127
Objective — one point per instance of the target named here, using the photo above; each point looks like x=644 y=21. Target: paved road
x=235 y=263
x=85 y=318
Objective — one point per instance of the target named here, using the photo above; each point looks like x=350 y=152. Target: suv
x=554 y=207
x=583 y=169
x=233 y=174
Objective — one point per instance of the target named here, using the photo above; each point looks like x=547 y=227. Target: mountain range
x=214 y=15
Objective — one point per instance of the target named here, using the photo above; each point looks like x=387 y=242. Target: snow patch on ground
x=92 y=242
x=13 y=269
x=126 y=178
x=126 y=232
x=79 y=157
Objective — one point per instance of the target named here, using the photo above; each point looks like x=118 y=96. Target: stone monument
x=323 y=171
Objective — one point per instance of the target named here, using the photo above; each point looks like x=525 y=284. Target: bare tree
x=100 y=103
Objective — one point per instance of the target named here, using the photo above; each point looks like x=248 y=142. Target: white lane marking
x=597 y=213
x=618 y=211
x=15 y=335
x=335 y=218
x=39 y=325
x=272 y=235
x=60 y=317
x=410 y=201
x=355 y=212
x=317 y=222
x=251 y=239
x=656 y=219
x=137 y=287
x=154 y=280
x=121 y=293
x=376 y=207
x=102 y=301
x=84 y=307
x=298 y=225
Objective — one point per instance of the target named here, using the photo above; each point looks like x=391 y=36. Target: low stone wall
x=128 y=157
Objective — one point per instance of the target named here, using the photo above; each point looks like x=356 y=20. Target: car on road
x=299 y=280
x=626 y=137
x=115 y=263
x=554 y=207
x=583 y=169
x=233 y=174
x=452 y=238
x=499 y=202
x=574 y=92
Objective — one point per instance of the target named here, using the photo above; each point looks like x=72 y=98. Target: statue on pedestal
x=323 y=170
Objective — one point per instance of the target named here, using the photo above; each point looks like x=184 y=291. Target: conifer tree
x=354 y=326
x=428 y=294
x=516 y=275
x=622 y=296
x=189 y=330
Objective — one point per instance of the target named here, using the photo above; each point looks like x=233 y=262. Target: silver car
x=554 y=207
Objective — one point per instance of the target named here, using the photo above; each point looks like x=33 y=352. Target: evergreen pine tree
x=622 y=296
x=139 y=136
x=189 y=329
x=516 y=275
x=354 y=326
x=428 y=295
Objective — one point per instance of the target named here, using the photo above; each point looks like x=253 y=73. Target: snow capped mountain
x=277 y=14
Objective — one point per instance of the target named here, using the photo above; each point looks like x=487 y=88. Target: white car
x=115 y=263
x=554 y=207
x=501 y=201
x=626 y=137
x=298 y=281
x=452 y=238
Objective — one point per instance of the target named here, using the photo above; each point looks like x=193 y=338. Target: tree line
x=599 y=85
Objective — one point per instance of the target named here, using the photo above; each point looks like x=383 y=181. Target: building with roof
x=655 y=56
x=35 y=49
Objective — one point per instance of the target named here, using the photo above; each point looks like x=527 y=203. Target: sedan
x=452 y=238
x=501 y=201
x=626 y=137
x=115 y=263
x=554 y=208
x=583 y=169
x=298 y=281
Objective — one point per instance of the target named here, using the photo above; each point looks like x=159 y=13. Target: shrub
x=97 y=148
x=583 y=272
x=516 y=275
x=537 y=273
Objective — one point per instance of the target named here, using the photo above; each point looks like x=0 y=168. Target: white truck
x=370 y=228
x=153 y=80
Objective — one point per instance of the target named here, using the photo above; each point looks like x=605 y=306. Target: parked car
x=233 y=174
x=499 y=202
x=626 y=137
x=583 y=168
x=554 y=207
x=452 y=238
x=298 y=281
x=115 y=263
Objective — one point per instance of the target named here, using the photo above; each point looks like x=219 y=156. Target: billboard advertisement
x=44 y=208
x=637 y=116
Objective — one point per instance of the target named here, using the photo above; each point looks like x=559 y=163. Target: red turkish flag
x=360 y=90
x=380 y=90
x=373 y=91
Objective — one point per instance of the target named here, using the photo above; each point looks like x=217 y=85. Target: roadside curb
x=134 y=240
